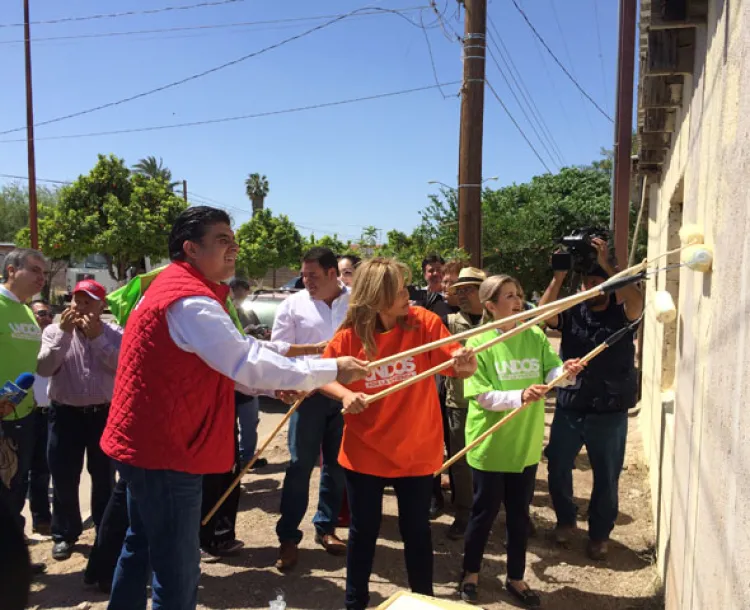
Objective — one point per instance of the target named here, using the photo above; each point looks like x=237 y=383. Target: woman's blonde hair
x=489 y=289
x=375 y=286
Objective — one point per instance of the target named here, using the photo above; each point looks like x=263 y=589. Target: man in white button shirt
x=312 y=316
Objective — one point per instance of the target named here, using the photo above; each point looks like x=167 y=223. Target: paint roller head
x=691 y=234
x=698 y=257
x=664 y=307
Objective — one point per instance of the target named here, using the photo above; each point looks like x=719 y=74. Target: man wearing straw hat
x=466 y=291
x=593 y=412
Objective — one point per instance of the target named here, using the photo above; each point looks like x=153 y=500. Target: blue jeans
x=317 y=424
x=164 y=507
x=247 y=414
x=19 y=440
x=604 y=435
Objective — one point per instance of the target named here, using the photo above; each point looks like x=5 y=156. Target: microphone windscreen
x=25 y=381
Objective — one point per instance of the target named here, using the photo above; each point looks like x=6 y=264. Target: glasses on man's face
x=347 y=272
x=465 y=291
x=43 y=313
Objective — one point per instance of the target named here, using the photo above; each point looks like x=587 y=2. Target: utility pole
x=33 y=224
x=620 y=213
x=184 y=190
x=472 y=129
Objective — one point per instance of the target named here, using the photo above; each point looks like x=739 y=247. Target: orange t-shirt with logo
x=400 y=435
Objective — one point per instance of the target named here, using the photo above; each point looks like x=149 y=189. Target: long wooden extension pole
x=490 y=431
x=249 y=465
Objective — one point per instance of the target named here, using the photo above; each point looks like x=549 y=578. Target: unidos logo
x=528 y=368
x=389 y=374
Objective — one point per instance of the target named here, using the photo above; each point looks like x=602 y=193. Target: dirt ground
x=566 y=578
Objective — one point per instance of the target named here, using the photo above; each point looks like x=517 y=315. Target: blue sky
x=332 y=170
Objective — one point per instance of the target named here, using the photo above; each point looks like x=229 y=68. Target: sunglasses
x=43 y=313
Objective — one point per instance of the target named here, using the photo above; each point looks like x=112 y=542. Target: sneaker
x=468 y=592
x=223 y=549
x=62 y=550
x=457 y=530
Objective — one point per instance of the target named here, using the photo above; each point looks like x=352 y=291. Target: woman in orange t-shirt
x=396 y=441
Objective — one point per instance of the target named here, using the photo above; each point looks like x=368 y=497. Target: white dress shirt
x=41 y=391
x=201 y=326
x=302 y=319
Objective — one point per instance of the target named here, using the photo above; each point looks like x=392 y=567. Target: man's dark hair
x=192 y=225
x=323 y=256
x=39 y=302
x=18 y=258
x=239 y=283
x=432 y=259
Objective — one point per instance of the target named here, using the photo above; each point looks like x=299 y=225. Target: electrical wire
x=599 y=47
x=432 y=58
x=241 y=117
x=289 y=20
x=26 y=178
x=151 y=11
x=198 y=75
x=517 y=79
x=520 y=130
x=559 y=63
x=523 y=110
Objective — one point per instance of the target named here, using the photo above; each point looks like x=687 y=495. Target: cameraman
x=593 y=411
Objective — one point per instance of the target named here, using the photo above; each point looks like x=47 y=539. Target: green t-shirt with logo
x=20 y=341
x=515 y=364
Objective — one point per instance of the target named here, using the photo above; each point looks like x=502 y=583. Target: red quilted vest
x=170 y=410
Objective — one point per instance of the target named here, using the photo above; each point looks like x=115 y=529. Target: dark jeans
x=317 y=424
x=112 y=529
x=365 y=493
x=17 y=451
x=74 y=431
x=15 y=565
x=247 y=414
x=39 y=477
x=604 y=435
x=221 y=527
x=491 y=490
x=463 y=494
x=164 y=507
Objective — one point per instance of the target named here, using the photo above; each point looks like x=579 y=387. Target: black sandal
x=527 y=597
x=468 y=591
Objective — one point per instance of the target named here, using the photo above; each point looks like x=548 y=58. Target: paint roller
x=664 y=307
x=695 y=254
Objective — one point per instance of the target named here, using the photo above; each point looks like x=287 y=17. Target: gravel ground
x=566 y=578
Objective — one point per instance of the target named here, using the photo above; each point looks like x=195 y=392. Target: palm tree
x=151 y=168
x=256 y=187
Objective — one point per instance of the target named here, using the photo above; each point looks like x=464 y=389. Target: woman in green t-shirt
x=504 y=466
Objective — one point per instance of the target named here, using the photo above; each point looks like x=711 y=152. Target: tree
x=256 y=188
x=110 y=211
x=151 y=168
x=267 y=242
x=332 y=242
x=14 y=207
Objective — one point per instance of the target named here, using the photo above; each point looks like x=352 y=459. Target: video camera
x=579 y=254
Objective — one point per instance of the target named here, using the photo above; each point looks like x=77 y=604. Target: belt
x=87 y=409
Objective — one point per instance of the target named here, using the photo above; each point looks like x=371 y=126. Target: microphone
x=16 y=391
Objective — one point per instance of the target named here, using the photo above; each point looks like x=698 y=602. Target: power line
x=206 y=72
x=432 y=57
x=599 y=46
x=151 y=11
x=559 y=63
x=523 y=110
x=510 y=116
x=290 y=20
x=26 y=178
x=513 y=71
x=243 y=117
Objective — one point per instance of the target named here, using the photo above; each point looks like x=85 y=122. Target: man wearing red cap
x=79 y=355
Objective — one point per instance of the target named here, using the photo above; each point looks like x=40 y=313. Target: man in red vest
x=172 y=413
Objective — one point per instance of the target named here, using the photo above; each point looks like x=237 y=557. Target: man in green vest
x=20 y=340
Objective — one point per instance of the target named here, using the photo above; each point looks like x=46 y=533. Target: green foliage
x=256 y=188
x=151 y=168
x=332 y=242
x=14 y=208
x=110 y=211
x=267 y=242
